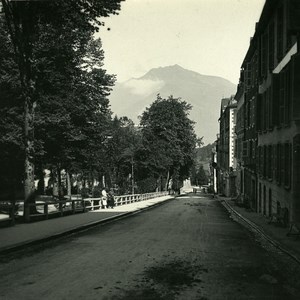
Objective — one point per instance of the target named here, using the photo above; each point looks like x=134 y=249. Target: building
x=225 y=147
x=239 y=142
x=213 y=169
x=270 y=132
x=279 y=108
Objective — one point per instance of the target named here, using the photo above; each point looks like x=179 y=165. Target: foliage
x=52 y=81
x=199 y=176
x=168 y=139
x=124 y=143
x=203 y=154
x=11 y=122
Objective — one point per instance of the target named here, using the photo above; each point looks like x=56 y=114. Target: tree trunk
x=69 y=184
x=12 y=196
x=20 y=19
x=167 y=182
x=59 y=183
x=29 y=186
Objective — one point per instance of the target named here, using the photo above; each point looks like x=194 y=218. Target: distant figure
x=170 y=184
x=110 y=199
x=104 y=198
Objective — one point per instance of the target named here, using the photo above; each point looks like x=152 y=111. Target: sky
x=210 y=37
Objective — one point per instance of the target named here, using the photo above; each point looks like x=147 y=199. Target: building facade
x=239 y=143
x=226 y=146
x=268 y=113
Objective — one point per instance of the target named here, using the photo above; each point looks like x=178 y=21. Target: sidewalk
x=20 y=235
x=275 y=233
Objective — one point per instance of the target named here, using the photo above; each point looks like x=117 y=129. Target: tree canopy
x=169 y=139
x=53 y=84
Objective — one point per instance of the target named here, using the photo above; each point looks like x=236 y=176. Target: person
x=110 y=199
x=104 y=198
x=170 y=186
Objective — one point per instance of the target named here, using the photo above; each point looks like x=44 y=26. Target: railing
x=58 y=207
x=95 y=203
x=45 y=209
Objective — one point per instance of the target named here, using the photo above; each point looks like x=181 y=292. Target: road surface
x=188 y=248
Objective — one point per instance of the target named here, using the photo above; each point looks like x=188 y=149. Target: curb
x=276 y=244
x=78 y=229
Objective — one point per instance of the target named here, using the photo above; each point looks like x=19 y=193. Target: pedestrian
x=104 y=198
x=170 y=184
x=110 y=199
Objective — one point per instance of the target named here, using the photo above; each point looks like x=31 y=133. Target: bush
x=147 y=185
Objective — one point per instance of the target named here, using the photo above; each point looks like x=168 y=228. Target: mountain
x=203 y=92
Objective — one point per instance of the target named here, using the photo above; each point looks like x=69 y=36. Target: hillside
x=203 y=92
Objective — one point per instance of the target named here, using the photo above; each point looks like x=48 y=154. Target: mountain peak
x=162 y=73
x=203 y=92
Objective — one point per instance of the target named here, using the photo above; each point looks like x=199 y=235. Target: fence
x=51 y=207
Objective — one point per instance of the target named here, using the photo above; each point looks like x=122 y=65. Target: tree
x=29 y=23
x=11 y=133
x=199 y=176
x=124 y=142
x=73 y=116
x=169 y=140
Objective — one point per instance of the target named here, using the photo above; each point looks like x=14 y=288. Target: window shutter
x=262 y=161
x=295 y=85
x=275 y=98
x=245 y=149
x=282 y=164
x=258 y=161
x=274 y=162
x=296 y=177
x=258 y=112
x=294 y=13
x=278 y=163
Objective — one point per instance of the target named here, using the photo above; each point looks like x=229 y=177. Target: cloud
x=143 y=87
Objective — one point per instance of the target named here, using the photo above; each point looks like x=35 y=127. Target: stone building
x=239 y=131
x=270 y=92
x=225 y=148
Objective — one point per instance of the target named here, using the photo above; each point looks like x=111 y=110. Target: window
x=280 y=33
x=287 y=165
x=287 y=96
x=264 y=52
x=274 y=161
x=269 y=162
x=271 y=49
x=275 y=98
x=245 y=149
x=264 y=161
x=278 y=164
x=282 y=164
x=250 y=149
x=281 y=97
x=248 y=75
x=259 y=160
x=267 y=110
x=270 y=110
x=253 y=149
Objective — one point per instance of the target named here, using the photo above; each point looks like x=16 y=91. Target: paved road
x=188 y=248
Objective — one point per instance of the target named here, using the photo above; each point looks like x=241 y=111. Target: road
x=188 y=248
